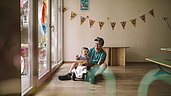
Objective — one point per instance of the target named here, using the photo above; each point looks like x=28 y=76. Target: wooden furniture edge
x=115 y=47
x=165 y=49
x=158 y=62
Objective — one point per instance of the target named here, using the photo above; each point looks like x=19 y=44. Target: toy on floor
x=81 y=71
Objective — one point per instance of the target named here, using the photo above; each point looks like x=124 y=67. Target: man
x=97 y=55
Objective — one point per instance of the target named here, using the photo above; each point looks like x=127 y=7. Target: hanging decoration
x=64 y=9
x=123 y=24
x=133 y=21
x=143 y=17
x=101 y=24
x=113 y=25
x=82 y=20
x=73 y=15
x=151 y=12
x=91 y=22
x=84 y=4
x=43 y=21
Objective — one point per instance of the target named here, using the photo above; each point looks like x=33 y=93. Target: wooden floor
x=127 y=82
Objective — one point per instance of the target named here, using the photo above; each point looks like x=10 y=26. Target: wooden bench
x=116 y=56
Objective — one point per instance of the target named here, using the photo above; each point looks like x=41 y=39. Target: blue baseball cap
x=100 y=40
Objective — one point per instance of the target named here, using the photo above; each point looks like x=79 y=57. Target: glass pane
x=25 y=41
x=54 y=34
x=43 y=36
x=59 y=31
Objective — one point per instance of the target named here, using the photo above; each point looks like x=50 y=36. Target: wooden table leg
x=121 y=56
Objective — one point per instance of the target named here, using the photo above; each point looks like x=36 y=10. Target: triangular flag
x=113 y=25
x=143 y=17
x=73 y=15
x=101 y=24
x=82 y=20
x=91 y=23
x=64 y=9
x=123 y=24
x=133 y=21
x=152 y=12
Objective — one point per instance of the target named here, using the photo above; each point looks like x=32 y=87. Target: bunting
x=123 y=24
x=113 y=25
x=91 y=22
x=143 y=17
x=82 y=20
x=64 y=9
x=101 y=24
x=73 y=15
x=151 y=12
x=133 y=21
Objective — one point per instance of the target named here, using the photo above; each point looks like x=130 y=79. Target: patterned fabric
x=84 y=59
x=95 y=57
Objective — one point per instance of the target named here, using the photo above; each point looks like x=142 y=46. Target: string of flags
x=91 y=22
x=73 y=15
x=101 y=23
x=82 y=20
x=143 y=17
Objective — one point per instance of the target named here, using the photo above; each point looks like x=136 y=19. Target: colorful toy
x=81 y=62
x=81 y=71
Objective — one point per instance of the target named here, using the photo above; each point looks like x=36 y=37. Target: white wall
x=144 y=40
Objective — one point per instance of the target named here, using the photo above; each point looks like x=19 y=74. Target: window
x=44 y=40
x=56 y=29
x=54 y=33
x=25 y=44
x=43 y=36
x=59 y=31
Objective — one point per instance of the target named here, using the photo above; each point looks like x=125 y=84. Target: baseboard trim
x=68 y=61
x=125 y=62
x=136 y=62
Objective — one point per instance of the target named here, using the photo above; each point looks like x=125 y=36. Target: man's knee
x=104 y=65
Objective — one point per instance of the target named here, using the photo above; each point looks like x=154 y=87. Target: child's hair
x=85 y=48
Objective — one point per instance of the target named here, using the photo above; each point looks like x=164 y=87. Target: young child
x=82 y=60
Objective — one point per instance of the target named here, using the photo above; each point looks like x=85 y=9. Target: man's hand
x=100 y=62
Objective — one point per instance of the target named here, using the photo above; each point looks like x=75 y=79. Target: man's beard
x=97 y=48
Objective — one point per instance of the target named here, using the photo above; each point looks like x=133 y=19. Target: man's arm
x=102 y=59
x=100 y=62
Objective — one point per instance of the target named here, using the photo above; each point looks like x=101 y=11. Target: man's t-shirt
x=95 y=57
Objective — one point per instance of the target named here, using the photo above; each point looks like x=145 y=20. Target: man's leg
x=101 y=69
x=68 y=75
x=96 y=70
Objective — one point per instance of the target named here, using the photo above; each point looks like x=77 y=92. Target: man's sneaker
x=65 y=77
